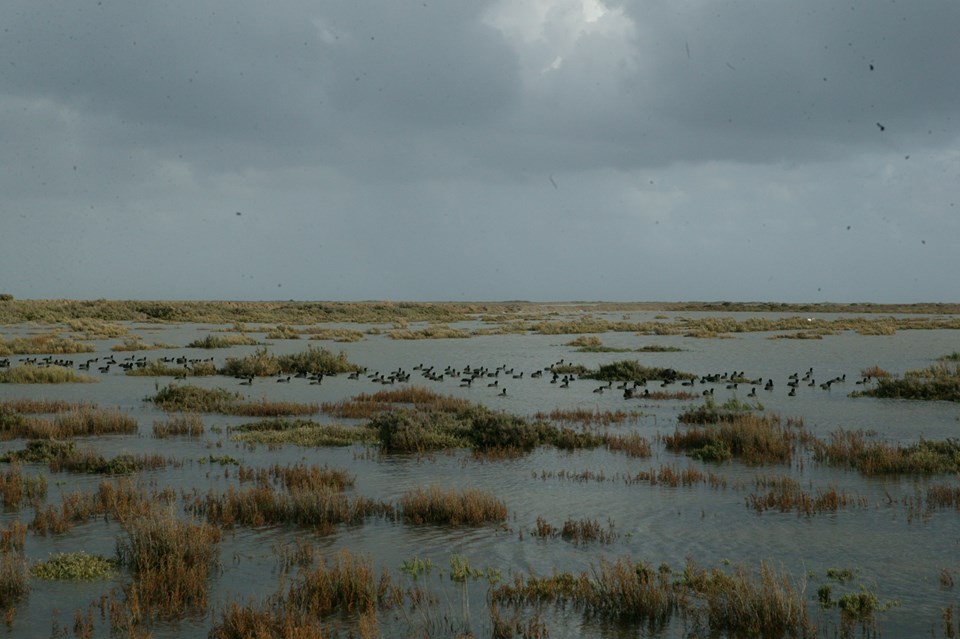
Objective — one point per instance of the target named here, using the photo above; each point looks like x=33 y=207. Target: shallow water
x=897 y=556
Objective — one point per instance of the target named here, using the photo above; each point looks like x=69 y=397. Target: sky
x=464 y=150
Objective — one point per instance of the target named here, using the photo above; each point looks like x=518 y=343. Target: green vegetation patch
x=632 y=370
x=938 y=382
x=853 y=450
x=194 y=399
x=74 y=566
x=303 y=432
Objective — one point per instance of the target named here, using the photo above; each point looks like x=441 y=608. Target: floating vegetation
x=940 y=381
x=180 y=425
x=74 y=566
x=50 y=343
x=302 y=432
x=222 y=341
x=852 y=450
x=468 y=507
x=33 y=374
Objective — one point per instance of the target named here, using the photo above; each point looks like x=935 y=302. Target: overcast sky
x=477 y=150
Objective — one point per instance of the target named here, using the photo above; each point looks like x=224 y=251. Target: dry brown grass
x=172 y=561
x=78 y=422
x=190 y=425
x=468 y=507
x=754 y=439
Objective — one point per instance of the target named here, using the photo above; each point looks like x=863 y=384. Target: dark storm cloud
x=504 y=149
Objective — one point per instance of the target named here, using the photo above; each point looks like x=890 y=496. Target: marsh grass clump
x=320 y=507
x=633 y=444
x=33 y=374
x=266 y=408
x=222 y=341
x=365 y=406
x=315 y=361
x=940 y=381
x=434 y=331
x=81 y=421
x=302 y=432
x=577 y=531
x=157 y=368
x=50 y=343
x=633 y=371
x=767 y=604
x=261 y=363
x=17 y=488
x=74 y=566
x=593 y=344
x=64 y=456
x=418 y=431
x=589 y=417
x=190 y=425
x=334 y=334
x=28 y=405
x=195 y=399
x=172 y=561
x=137 y=344
x=347 y=586
x=281 y=331
x=852 y=449
x=93 y=328
x=712 y=413
x=469 y=507
x=14 y=581
x=785 y=494
x=751 y=438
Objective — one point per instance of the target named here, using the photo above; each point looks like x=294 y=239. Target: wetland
x=174 y=469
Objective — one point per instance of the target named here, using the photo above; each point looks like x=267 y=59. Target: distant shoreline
x=15 y=311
